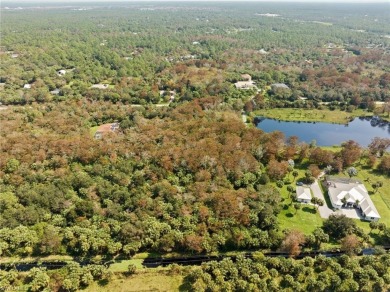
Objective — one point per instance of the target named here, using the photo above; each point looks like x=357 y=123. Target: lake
x=361 y=130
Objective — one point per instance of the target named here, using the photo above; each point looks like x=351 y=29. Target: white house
x=245 y=85
x=100 y=86
x=345 y=192
x=61 y=72
x=303 y=194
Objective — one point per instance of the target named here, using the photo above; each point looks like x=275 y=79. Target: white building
x=303 y=194
x=351 y=193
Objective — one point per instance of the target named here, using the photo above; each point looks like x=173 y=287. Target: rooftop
x=303 y=193
x=353 y=191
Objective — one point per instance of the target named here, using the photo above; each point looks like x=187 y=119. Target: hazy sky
x=312 y=1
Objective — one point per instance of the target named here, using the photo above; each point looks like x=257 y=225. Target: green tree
x=297 y=206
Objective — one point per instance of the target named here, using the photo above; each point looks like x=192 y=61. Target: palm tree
x=344 y=201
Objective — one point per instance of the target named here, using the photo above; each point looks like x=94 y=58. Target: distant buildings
x=279 y=86
x=100 y=86
x=247 y=82
x=61 y=72
x=106 y=128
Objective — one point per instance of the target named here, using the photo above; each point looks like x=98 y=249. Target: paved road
x=317 y=192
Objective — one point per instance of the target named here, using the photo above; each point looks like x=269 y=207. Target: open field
x=150 y=280
x=310 y=115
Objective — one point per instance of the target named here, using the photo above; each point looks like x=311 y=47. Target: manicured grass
x=122 y=266
x=310 y=115
x=306 y=219
x=146 y=281
x=93 y=130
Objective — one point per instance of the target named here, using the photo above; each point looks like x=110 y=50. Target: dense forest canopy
x=182 y=173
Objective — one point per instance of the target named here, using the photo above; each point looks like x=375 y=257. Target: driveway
x=317 y=192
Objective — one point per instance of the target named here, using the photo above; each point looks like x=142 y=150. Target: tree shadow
x=103 y=282
x=309 y=210
x=289 y=215
x=378 y=239
x=186 y=285
x=285 y=207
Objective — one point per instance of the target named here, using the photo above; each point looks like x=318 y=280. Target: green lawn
x=306 y=219
x=151 y=280
x=93 y=130
x=310 y=115
x=121 y=266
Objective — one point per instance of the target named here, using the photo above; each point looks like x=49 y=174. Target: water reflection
x=361 y=130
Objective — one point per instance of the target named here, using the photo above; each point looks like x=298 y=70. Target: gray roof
x=280 y=85
x=303 y=193
x=353 y=191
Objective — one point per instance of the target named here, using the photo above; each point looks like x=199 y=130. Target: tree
x=350 y=152
x=297 y=206
x=382 y=227
x=352 y=172
x=379 y=145
x=344 y=201
x=40 y=279
x=351 y=244
x=339 y=226
x=314 y=170
x=131 y=269
x=292 y=242
x=295 y=174
x=320 y=237
x=377 y=185
x=384 y=165
x=373 y=225
x=317 y=202
x=279 y=184
x=290 y=190
x=277 y=170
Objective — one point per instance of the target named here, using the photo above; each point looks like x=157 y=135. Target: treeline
x=368 y=273
x=137 y=53
x=173 y=179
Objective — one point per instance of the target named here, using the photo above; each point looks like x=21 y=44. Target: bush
x=131 y=269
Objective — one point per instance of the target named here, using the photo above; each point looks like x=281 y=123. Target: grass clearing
x=93 y=130
x=121 y=267
x=306 y=219
x=310 y=115
x=150 y=280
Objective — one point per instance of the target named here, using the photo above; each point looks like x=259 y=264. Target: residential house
x=61 y=72
x=279 y=86
x=246 y=77
x=27 y=86
x=106 y=128
x=351 y=193
x=100 y=86
x=303 y=194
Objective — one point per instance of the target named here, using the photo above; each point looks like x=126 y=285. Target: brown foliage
x=292 y=242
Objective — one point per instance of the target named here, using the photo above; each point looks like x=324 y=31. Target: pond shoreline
x=361 y=130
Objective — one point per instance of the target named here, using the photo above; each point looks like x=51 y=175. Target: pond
x=362 y=130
